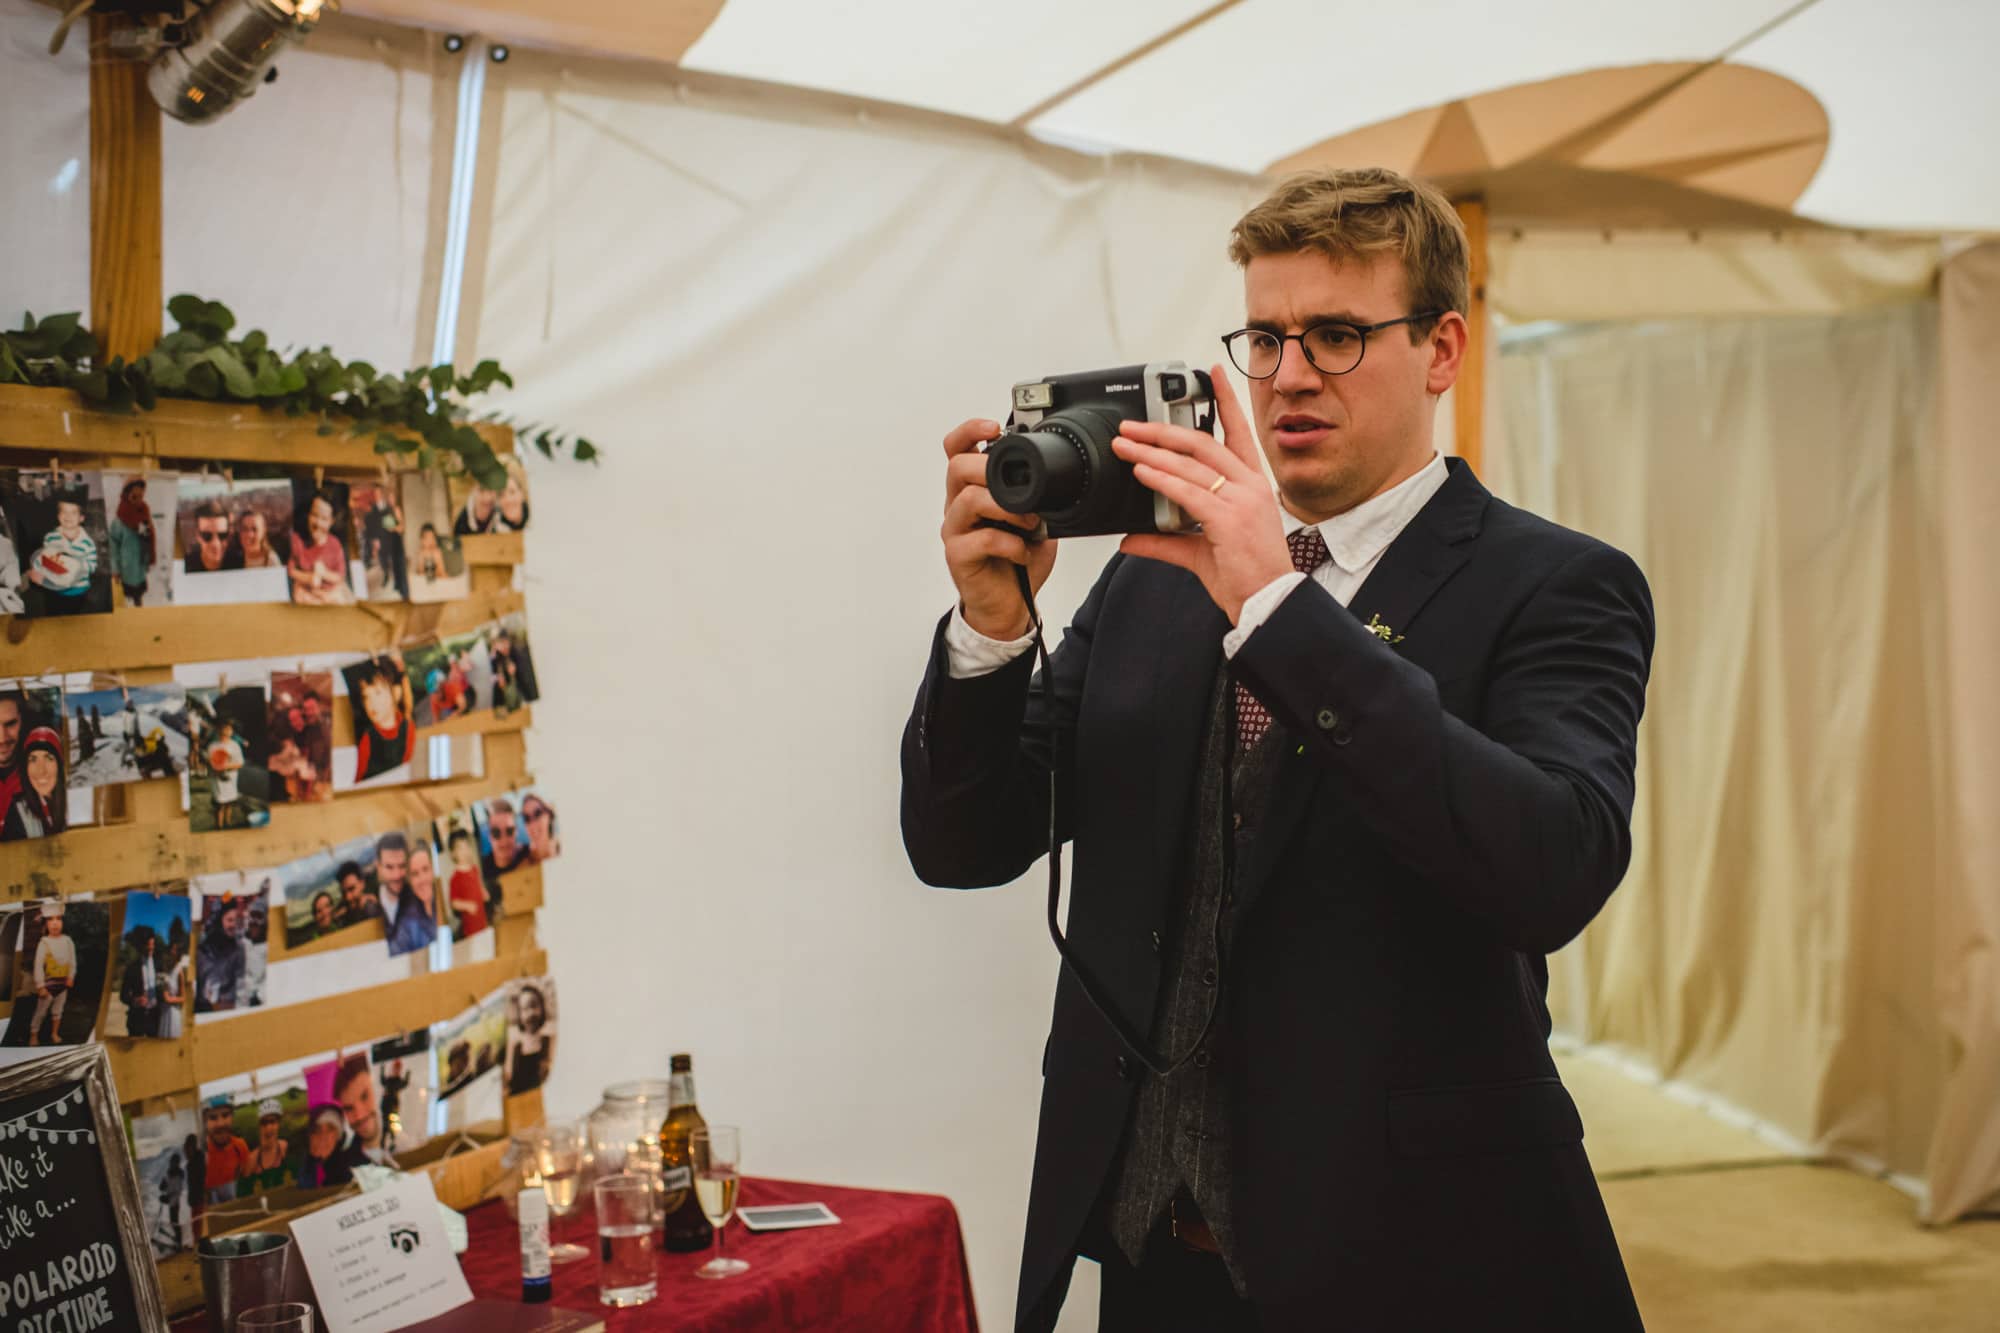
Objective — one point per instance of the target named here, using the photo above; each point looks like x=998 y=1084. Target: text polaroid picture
x=406 y=865
x=471 y=899
x=437 y=569
x=404 y=1089
x=385 y=733
x=449 y=677
x=322 y=532
x=377 y=510
x=127 y=733
x=167 y=1153
x=531 y=1034
x=60 y=962
x=513 y=668
x=539 y=830
x=332 y=1145
x=229 y=779
x=471 y=1045
x=476 y=509
x=34 y=763
x=61 y=543
x=234 y=538
x=141 y=524
x=300 y=732
x=231 y=954
x=329 y=892
x=155 y=966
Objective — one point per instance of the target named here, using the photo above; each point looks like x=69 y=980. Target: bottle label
x=677 y=1178
x=534 y=1211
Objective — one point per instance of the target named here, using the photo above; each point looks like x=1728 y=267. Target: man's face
x=295 y=718
x=312 y=710
x=217 y=1120
x=10 y=730
x=501 y=829
x=350 y=889
x=393 y=865
x=211 y=537
x=1335 y=440
x=358 y=1100
x=423 y=875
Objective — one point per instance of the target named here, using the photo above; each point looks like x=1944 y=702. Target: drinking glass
x=559 y=1149
x=627 y=1214
x=290 y=1317
x=716 y=1153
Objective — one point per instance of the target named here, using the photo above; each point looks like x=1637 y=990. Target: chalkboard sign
x=73 y=1250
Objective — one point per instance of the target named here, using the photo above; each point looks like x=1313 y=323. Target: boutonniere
x=1382 y=631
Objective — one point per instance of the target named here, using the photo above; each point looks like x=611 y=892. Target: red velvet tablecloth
x=895 y=1263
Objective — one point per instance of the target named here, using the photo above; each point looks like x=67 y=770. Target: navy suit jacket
x=1454 y=804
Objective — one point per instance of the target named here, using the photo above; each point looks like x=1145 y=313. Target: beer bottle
x=686 y=1229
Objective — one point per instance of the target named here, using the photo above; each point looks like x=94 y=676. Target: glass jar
x=630 y=1113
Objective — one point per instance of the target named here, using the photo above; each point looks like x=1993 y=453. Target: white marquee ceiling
x=1910 y=91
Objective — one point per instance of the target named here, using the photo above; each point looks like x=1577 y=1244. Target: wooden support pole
x=1469 y=395
x=125 y=290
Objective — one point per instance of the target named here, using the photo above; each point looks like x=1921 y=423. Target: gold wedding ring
x=1220 y=480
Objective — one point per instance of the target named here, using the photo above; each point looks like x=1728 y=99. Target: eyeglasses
x=1333 y=348
x=207 y=535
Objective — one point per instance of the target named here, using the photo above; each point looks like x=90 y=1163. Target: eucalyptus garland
x=421 y=411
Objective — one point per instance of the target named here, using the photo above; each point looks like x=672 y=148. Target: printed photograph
x=378 y=536
x=477 y=509
x=471 y=897
x=434 y=758
x=531 y=1033
x=347 y=1083
x=230 y=960
x=322 y=532
x=229 y=779
x=329 y=892
x=437 y=569
x=166 y=1150
x=155 y=966
x=142 y=534
x=471 y=1045
x=502 y=842
x=34 y=763
x=513 y=669
x=406 y=874
x=234 y=538
x=403 y=1089
x=385 y=733
x=272 y=1126
x=61 y=542
x=61 y=955
x=11 y=601
x=128 y=733
x=300 y=732
x=539 y=829
x=331 y=1146
x=449 y=677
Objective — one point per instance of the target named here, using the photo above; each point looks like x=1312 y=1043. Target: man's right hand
x=982 y=560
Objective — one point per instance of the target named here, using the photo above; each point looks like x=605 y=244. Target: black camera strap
x=1133 y=1041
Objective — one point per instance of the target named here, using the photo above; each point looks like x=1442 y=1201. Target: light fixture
x=226 y=50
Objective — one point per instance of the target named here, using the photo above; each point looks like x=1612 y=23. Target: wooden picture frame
x=23 y=1136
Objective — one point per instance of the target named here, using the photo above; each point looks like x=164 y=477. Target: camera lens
x=1048 y=469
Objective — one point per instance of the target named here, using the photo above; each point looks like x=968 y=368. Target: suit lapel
x=1425 y=554
x=1182 y=673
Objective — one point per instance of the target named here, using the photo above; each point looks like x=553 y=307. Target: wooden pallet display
x=146 y=839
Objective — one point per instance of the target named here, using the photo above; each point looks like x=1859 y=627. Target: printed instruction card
x=381 y=1261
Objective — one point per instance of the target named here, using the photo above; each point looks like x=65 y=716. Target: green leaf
x=584 y=451
x=204 y=380
x=235 y=375
x=441 y=377
x=218 y=317
x=545 y=441
x=59 y=328
x=385 y=443
x=266 y=382
x=144 y=394
x=292 y=378
x=254 y=342
x=186 y=309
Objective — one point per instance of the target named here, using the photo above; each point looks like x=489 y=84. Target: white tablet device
x=785 y=1216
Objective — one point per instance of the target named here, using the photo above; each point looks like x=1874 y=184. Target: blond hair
x=1356 y=213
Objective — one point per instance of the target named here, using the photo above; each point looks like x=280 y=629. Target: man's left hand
x=1241 y=545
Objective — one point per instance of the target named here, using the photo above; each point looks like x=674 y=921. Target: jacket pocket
x=1485 y=1118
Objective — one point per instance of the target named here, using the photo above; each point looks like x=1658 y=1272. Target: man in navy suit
x=1339 y=772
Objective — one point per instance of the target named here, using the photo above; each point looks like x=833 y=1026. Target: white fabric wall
x=768 y=314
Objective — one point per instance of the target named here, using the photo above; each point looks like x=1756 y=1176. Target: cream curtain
x=1798 y=930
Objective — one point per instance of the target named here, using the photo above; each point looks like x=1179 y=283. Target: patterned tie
x=1252 y=718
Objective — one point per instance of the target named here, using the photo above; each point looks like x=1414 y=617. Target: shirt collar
x=1358 y=537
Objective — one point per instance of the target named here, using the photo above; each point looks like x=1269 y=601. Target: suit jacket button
x=1208 y=977
x=1341 y=736
x=1156 y=941
x=1124 y=1067
x=1327 y=719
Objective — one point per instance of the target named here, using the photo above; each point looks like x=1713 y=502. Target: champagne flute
x=716 y=1153
x=559 y=1160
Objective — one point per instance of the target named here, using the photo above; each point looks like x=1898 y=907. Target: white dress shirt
x=1355 y=540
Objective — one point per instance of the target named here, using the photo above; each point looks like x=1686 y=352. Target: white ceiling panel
x=981 y=58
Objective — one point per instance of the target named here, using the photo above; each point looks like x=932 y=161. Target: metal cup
x=241 y=1272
